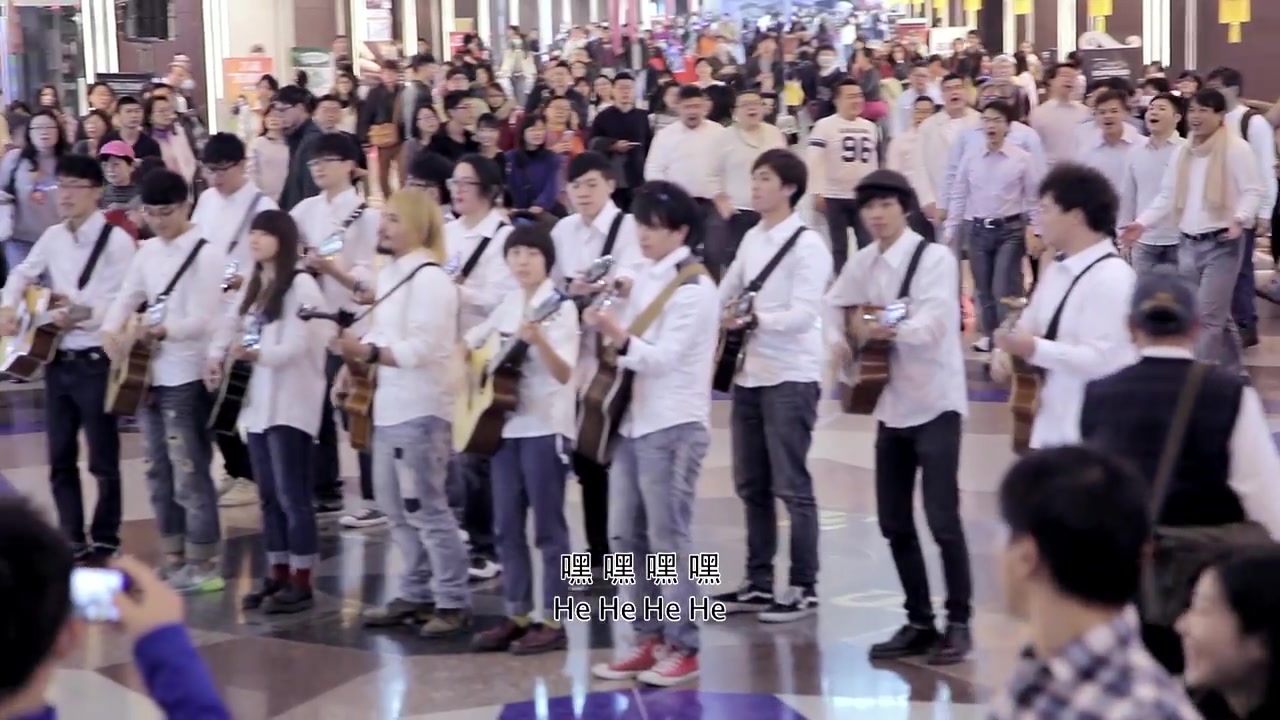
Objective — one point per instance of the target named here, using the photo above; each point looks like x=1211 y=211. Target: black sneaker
x=954 y=646
x=483 y=568
x=101 y=554
x=292 y=599
x=746 y=599
x=795 y=603
x=909 y=641
x=397 y=612
x=329 y=507
x=81 y=553
x=266 y=588
x=1248 y=336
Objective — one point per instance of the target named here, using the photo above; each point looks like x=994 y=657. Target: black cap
x=1164 y=305
x=887 y=180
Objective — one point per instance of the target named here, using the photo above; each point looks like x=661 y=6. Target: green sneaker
x=192 y=581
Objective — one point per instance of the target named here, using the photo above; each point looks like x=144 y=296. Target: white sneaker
x=483 y=568
x=983 y=345
x=242 y=492
x=223 y=484
x=366 y=518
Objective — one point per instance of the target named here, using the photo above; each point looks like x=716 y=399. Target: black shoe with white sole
x=794 y=604
x=746 y=599
x=483 y=568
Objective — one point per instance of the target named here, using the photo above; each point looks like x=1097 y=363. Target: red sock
x=302 y=578
x=280 y=573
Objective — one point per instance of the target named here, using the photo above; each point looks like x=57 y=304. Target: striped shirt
x=841 y=152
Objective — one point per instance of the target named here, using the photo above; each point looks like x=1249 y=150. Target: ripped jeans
x=179 y=451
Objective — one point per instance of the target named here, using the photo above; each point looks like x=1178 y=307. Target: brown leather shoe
x=540 y=639
x=499 y=638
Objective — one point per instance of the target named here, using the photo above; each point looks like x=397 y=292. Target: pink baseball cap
x=117 y=148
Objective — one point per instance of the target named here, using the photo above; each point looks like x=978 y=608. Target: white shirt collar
x=604 y=218
x=1083 y=259
x=661 y=267
x=486 y=227
x=901 y=249
x=1167 y=352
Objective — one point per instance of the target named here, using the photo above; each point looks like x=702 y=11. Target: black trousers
x=842 y=216
x=75 y=392
x=738 y=224
x=328 y=474
x=1165 y=645
x=934 y=450
x=715 y=239
x=594 y=479
x=622 y=198
x=235 y=455
x=470 y=490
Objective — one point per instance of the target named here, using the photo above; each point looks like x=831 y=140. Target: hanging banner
x=1103 y=56
x=318 y=64
x=121 y=84
x=240 y=76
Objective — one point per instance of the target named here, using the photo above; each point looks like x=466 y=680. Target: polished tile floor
x=322 y=665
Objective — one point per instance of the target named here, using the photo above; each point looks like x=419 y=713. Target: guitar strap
x=612 y=237
x=757 y=283
x=905 y=290
x=248 y=216
x=476 y=254
x=403 y=281
x=1051 y=333
x=689 y=272
x=182 y=270
x=94 y=255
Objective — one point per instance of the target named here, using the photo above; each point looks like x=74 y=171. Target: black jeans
x=235 y=455
x=934 y=449
x=715 y=239
x=739 y=223
x=594 y=479
x=328 y=475
x=842 y=216
x=772 y=433
x=470 y=491
x=75 y=391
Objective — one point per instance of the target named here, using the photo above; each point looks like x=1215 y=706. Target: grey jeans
x=995 y=259
x=530 y=473
x=651 y=493
x=1146 y=258
x=772 y=433
x=1211 y=263
x=410 y=468
x=179 y=451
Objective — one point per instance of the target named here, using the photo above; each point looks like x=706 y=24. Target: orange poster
x=240 y=76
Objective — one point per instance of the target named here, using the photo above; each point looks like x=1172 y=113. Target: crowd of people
x=395 y=234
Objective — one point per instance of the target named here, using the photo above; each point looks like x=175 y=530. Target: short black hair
x=432 y=169
x=421 y=60
x=1158 y=84
x=1052 y=72
x=489 y=121
x=1087 y=513
x=532 y=235
x=454 y=72
x=665 y=205
x=623 y=76
x=328 y=98
x=1111 y=95
x=126 y=100
x=293 y=95
x=488 y=174
x=454 y=99
x=847 y=82
x=35 y=591
x=925 y=97
x=1004 y=107
x=1077 y=187
x=81 y=167
x=164 y=187
x=589 y=161
x=1211 y=99
x=1191 y=75
x=335 y=145
x=1179 y=105
x=789 y=168
x=223 y=149
x=1229 y=77
x=949 y=77
x=690 y=92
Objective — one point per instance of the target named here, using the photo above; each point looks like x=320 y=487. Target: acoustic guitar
x=492 y=385
x=732 y=349
x=236 y=374
x=131 y=372
x=36 y=340
x=606 y=397
x=357 y=401
x=867 y=373
x=594 y=276
x=1025 y=381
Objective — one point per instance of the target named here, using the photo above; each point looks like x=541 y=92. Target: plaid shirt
x=1105 y=673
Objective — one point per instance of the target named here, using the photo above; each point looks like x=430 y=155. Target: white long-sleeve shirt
x=318 y=217
x=938 y=135
x=686 y=157
x=288 y=382
x=491 y=279
x=1262 y=142
x=224 y=220
x=192 y=311
x=1245 y=194
x=545 y=406
x=673 y=359
x=975 y=140
x=1148 y=161
x=902 y=157
x=419 y=324
x=927 y=361
x=736 y=154
x=786 y=345
x=1093 y=337
x=62 y=254
x=1057 y=123
x=840 y=153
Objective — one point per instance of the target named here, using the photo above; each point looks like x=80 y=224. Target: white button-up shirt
x=288 y=382
x=224 y=220
x=545 y=406
x=786 y=345
x=318 y=217
x=1093 y=337
x=1148 y=162
x=1262 y=143
x=995 y=184
x=686 y=157
x=419 y=324
x=490 y=280
x=1112 y=160
x=192 y=312
x=927 y=376
x=673 y=359
x=63 y=254
x=1244 y=196
x=975 y=140
x=938 y=135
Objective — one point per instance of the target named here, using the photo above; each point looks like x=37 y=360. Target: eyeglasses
x=160 y=211
x=76 y=186
x=419 y=183
x=313 y=162
x=219 y=168
x=43 y=128
x=455 y=184
x=281 y=107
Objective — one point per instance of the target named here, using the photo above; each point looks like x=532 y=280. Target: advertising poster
x=1103 y=56
x=240 y=76
x=318 y=64
x=131 y=84
x=942 y=38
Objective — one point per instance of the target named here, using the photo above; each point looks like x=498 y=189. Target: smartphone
x=893 y=314
x=93 y=592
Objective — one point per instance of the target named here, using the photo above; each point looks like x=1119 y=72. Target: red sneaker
x=641 y=658
x=675 y=668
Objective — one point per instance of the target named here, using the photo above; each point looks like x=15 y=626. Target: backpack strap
x=95 y=255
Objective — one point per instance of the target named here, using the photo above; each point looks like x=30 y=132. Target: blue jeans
x=995 y=258
x=15 y=251
x=410 y=468
x=651 y=494
x=179 y=451
x=281 y=458
x=530 y=473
